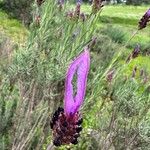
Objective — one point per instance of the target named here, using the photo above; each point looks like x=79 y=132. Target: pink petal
x=148 y=12
x=81 y=66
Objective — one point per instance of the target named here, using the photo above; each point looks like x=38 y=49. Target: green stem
x=119 y=54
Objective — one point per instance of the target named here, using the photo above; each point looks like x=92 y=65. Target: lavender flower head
x=66 y=123
x=82 y=17
x=70 y=14
x=136 y=51
x=144 y=20
x=110 y=75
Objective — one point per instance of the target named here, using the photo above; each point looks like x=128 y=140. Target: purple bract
x=80 y=67
x=66 y=124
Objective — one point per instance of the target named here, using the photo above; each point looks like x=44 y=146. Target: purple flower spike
x=66 y=124
x=134 y=53
x=144 y=20
x=80 y=67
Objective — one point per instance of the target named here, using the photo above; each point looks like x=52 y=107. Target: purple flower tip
x=79 y=68
x=144 y=20
x=148 y=12
x=110 y=75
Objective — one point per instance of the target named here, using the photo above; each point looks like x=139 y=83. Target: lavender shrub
x=116 y=106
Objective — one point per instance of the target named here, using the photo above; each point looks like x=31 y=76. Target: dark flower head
x=39 y=2
x=69 y=14
x=66 y=123
x=65 y=130
x=77 y=10
x=83 y=17
x=110 y=75
x=136 y=51
x=144 y=20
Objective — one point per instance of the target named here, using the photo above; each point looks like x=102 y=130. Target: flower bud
x=144 y=20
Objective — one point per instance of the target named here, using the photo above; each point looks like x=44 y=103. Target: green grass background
x=12 y=28
x=126 y=17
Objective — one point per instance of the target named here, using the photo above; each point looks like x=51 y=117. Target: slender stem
x=119 y=54
x=133 y=35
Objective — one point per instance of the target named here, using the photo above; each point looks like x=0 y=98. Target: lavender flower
x=77 y=10
x=110 y=75
x=144 y=20
x=69 y=14
x=66 y=123
x=82 y=17
x=136 y=51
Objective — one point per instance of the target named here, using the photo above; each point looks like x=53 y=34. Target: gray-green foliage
x=104 y=50
x=115 y=33
x=8 y=104
x=137 y=2
x=116 y=119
